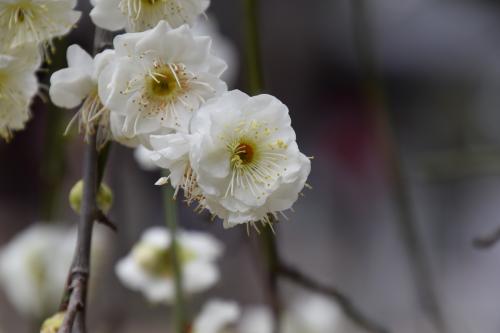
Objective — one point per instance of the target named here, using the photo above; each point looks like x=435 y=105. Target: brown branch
x=74 y=300
x=351 y=311
x=487 y=241
x=74 y=320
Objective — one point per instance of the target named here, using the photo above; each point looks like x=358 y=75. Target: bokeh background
x=346 y=69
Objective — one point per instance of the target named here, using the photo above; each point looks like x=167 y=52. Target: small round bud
x=104 y=197
x=52 y=324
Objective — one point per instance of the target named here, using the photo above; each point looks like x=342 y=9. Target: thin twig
x=351 y=311
x=487 y=241
x=101 y=218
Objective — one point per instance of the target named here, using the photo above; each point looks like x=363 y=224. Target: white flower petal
x=69 y=87
x=79 y=58
x=107 y=15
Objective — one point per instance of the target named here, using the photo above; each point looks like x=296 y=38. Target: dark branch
x=74 y=300
x=486 y=242
x=342 y=300
x=75 y=304
x=74 y=320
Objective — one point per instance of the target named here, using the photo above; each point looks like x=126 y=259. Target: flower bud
x=52 y=324
x=104 y=197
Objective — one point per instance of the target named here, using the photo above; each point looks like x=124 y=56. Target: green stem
x=273 y=264
x=171 y=222
x=374 y=90
x=253 y=52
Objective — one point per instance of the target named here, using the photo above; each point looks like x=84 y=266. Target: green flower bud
x=104 y=197
x=52 y=324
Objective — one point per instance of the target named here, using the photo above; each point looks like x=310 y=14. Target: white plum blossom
x=243 y=156
x=148 y=267
x=216 y=316
x=34 y=267
x=159 y=78
x=222 y=47
x=18 y=86
x=35 y=21
x=77 y=84
x=141 y=15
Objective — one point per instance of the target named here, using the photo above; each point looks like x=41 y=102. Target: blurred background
x=397 y=100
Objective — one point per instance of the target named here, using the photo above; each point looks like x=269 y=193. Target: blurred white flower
x=216 y=316
x=309 y=314
x=35 y=21
x=34 y=267
x=148 y=267
x=245 y=157
x=141 y=15
x=313 y=314
x=77 y=83
x=142 y=157
x=18 y=86
x=257 y=319
x=221 y=46
x=159 y=78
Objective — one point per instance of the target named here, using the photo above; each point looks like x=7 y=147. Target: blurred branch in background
x=455 y=164
x=170 y=204
x=486 y=242
x=53 y=161
x=293 y=274
x=254 y=72
x=255 y=79
x=375 y=94
x=272 y=259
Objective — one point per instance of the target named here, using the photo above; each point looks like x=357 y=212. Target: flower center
x=162 y=82
x=157 y=261
x=150 y=2
x=243 y=154
x=20 y=15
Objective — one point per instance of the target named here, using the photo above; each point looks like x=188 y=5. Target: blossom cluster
x=161 y=88
x=28 y=27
